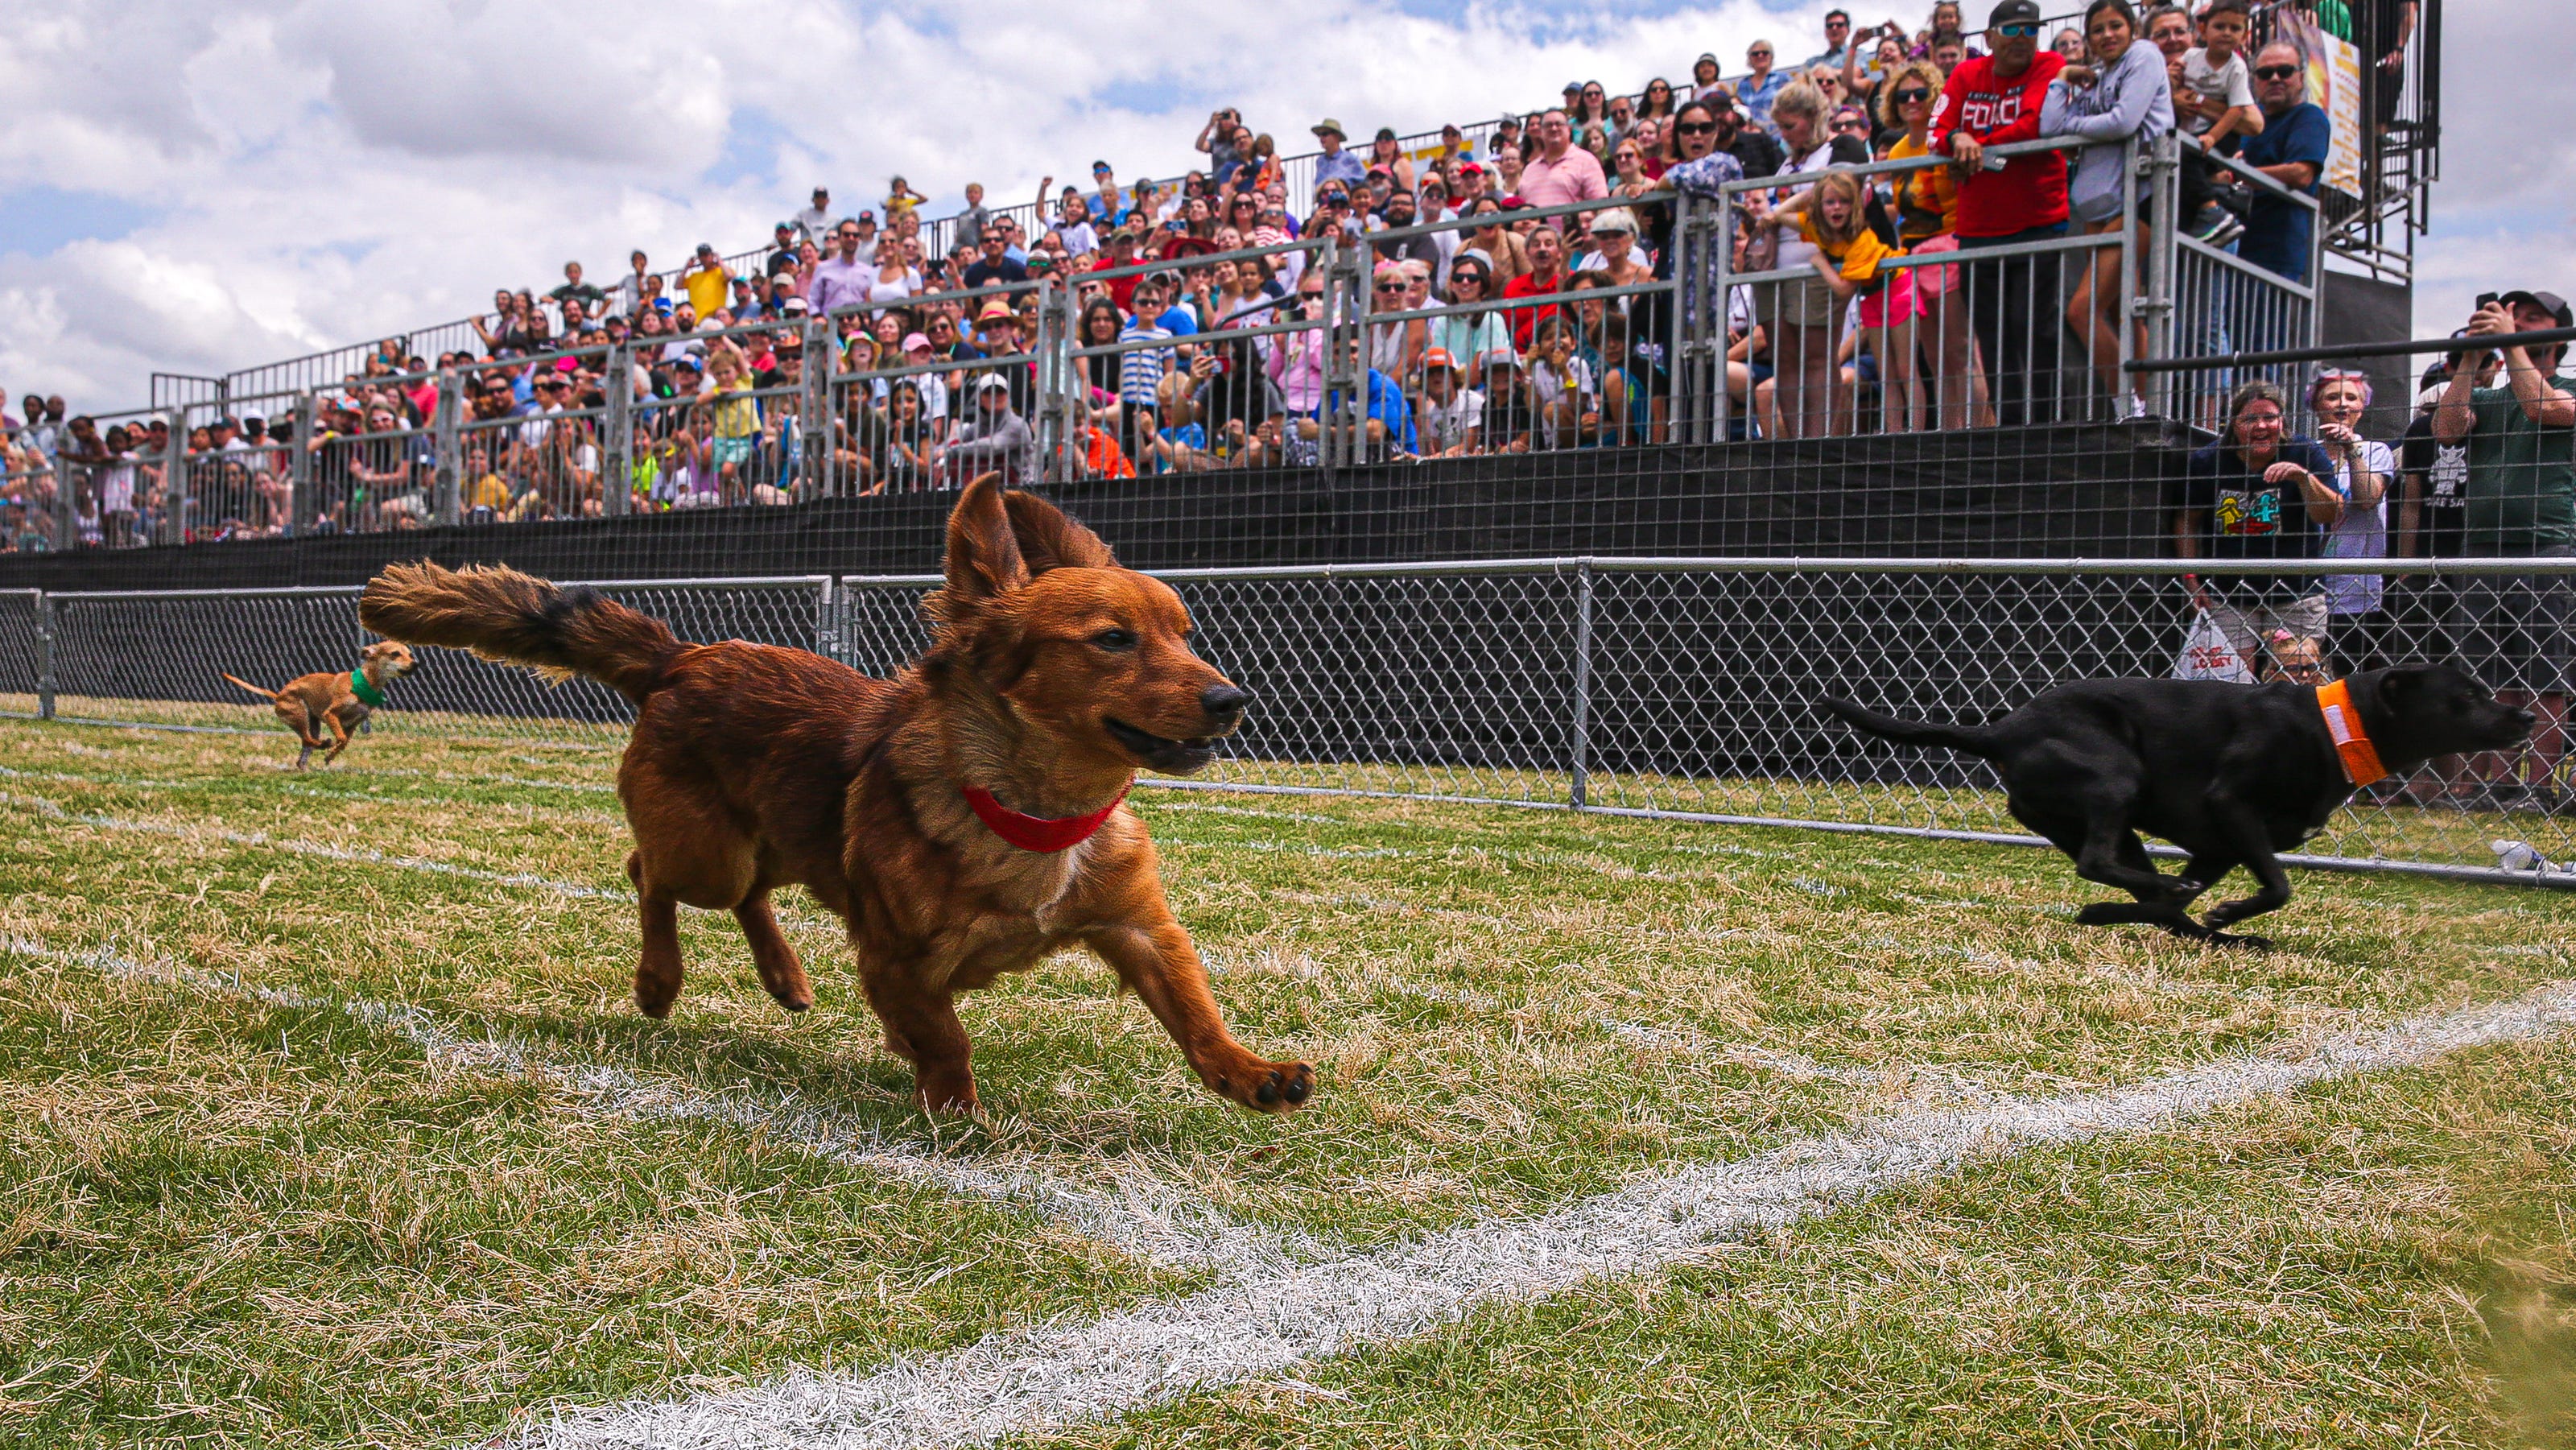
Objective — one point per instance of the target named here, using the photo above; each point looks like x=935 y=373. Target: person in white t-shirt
x=2363 y=471
x=1448 y=411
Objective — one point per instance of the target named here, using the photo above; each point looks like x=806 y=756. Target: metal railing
x=2373 y=225
x=1672 y=688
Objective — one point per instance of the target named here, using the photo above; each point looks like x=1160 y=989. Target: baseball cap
x=784 y=227
x=1386 y=133
x=912 y=340
x=2013 y=12
x=1439 y=357
x=1472 y=168
x=990 y=381
x=795 y=306
x=868 y=217
x=1099 y=166
x=2549 y=302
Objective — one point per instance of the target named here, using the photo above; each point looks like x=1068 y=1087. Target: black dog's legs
x=2256 y=845
x=2112 y=855
x=2170 y=911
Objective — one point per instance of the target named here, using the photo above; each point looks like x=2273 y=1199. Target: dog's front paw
x=1267 y=1087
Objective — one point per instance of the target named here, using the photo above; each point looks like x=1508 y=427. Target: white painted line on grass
x=1140 y=1217
x=1053 y=1375
x=366 y=797
x=324 y=850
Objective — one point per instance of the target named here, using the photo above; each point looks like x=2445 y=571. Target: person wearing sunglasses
x=1762 y=86
x=2290 y=149
x=1927 y=221
x=2118 y=96
x=1995 y=100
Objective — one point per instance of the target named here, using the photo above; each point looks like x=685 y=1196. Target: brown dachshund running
x=340 y=700
x=964 y=818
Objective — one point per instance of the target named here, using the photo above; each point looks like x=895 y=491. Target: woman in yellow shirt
x=1927 y=221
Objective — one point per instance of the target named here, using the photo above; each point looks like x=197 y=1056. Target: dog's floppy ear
x=984 y=557
x=1049 y=540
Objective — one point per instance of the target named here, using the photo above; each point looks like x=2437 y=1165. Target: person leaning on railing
x=2257 y=494
x=2120 y=98
x=1996 y=100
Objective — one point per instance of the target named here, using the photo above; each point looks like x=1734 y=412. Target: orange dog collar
x=1037 y=833
x=2360 y=758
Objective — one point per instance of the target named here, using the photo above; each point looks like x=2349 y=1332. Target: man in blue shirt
x=1336 y=164
x=2291 y=150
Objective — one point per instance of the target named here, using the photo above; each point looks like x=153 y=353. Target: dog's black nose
x=1223 y=700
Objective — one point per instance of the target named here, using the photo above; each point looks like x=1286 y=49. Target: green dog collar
x=365 y=689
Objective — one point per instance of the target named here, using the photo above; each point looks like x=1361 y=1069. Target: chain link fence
x=1680 y=689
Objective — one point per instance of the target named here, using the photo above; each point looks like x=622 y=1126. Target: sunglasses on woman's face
x=1696 y=128
x=1467 y=276
x=1913 y=95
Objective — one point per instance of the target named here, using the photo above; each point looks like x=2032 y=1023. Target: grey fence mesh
x=1658 y=687
x=161 y=658
x=22 y=651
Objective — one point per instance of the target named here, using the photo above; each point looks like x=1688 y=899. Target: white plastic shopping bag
x=2207 y=654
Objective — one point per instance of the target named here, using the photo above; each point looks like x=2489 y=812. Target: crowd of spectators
x=1198 y=372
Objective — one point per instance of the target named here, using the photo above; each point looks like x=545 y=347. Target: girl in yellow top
x=1832 y=217
x=733 y=415
x=901 y=198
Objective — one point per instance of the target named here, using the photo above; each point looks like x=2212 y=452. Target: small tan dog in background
x=340 y=699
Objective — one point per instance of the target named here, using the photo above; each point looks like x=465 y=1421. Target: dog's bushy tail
x=254 y=689
x=518 y=619
x=1970 y=738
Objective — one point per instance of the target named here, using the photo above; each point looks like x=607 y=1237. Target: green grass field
x=329 y=1122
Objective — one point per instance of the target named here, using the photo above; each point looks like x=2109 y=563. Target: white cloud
x=327 y=171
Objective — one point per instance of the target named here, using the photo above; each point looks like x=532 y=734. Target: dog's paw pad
x=1276 y=1087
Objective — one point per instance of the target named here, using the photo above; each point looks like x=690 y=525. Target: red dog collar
x=1036 y=833
x=2360 y=758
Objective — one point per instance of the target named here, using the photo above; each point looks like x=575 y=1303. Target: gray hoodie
x=2132 y=98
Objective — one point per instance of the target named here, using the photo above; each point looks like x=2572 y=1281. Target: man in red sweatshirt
x=2016 y=303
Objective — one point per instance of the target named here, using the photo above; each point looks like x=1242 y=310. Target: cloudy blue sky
x=201 y=188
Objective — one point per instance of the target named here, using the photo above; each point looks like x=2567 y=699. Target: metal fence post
x=827 y=621
x=2164 y=175
x=1056 y=425
x=45 y=683
x=617 y=434
x=299 y=469
x=175 y=485
x=814 y=412
x=1717 y=307
x=66 y=520
x=1681 y=347
x=1580 y=765
x=445 y=504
